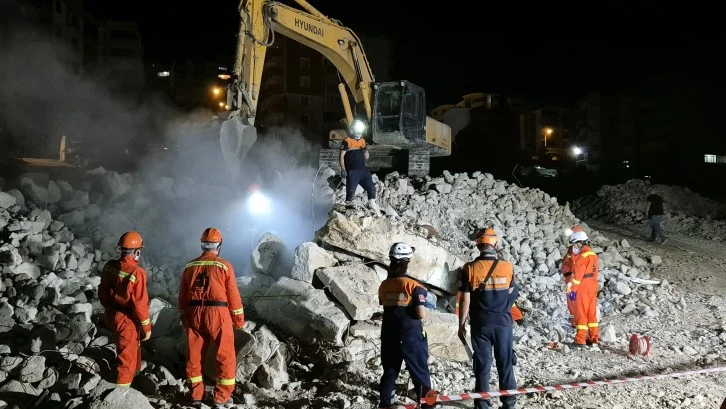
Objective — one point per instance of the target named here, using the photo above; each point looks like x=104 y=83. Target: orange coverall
x=209 y=305
x=566 y=269
x=125 y=300
x=585 y=286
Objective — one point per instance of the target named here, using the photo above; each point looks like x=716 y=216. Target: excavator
x=392 y=115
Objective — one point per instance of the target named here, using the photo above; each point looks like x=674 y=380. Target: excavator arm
x=261 y=19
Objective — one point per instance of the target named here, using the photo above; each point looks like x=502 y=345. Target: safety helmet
x=130 y=240
x=401 y=252
x=574 y=229
x=211 y=235
x=487 y=236
x=578 y=236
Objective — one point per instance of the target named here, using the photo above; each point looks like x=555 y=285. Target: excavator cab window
x=400 y=107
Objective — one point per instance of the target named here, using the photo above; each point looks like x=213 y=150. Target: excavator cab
x=399 y=113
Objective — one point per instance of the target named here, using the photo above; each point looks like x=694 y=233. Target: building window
x=304 y=81
x=305 y=119
x=304 y=100
x=304 y=63
x=714 y=158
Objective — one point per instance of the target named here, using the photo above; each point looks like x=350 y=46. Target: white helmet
x=401 y=251
x=578 y=236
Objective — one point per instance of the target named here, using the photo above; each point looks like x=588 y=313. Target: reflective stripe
x=588 y=254
x=593 y=325
x=120 y=274
x=146 y=322
x=225 y=382
x=206 y=263
x=123 y=385
x=575 y=281
x=238 y=312
x=195 y=379
x=581 y=327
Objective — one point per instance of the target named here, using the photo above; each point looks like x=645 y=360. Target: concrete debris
x=686 y=211
x=313 y=320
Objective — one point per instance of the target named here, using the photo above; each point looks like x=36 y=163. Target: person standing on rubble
x=489 y=292
x=655 y=212
x=566 y=268
x=125 y=300
x=582 y=290
x=353 y=157
x=403 y=338
x=209 y=307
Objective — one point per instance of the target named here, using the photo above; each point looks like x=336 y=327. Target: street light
x=548 y=132
x=216 y=91
x=576 y=150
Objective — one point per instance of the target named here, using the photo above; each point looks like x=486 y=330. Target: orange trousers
x=586 y=315
x=207 y=326
x=127 y=335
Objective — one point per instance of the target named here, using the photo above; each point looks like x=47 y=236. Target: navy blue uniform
x=355 y=165
x=402 y=337
x=491 y=324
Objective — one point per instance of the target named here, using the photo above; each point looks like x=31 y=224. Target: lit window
x=162 y=74
x=714 y=158
x=304 y=81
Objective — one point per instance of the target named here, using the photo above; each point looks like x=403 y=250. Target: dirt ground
x=696 y=319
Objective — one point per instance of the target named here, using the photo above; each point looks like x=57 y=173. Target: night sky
x=553 y=51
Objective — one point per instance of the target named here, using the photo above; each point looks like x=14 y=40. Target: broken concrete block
x=372 y=239
x=308 y=258
x=303 y=311
x=442 y=330
x=355 y=286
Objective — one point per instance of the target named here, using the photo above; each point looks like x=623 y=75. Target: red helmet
x=487 y=236
x=211 y=235
x=130 y=240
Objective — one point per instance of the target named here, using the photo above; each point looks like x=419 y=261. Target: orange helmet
x=130 y=240
x=575 y=229
x=211 y=235
x=487 y=236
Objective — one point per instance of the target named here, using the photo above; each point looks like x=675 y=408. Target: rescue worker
x=566 y=270
x=209 y=307
x=353 y=156
x=489 y=290
x=582 y=290
x=402 y=335
x=125 y=300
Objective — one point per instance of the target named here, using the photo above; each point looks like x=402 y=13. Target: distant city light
x=224 y=76
x=216 y=91
x=548 y=131
x=162 y=74
x=221 y=104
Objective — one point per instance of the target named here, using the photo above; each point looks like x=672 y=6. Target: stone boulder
x=355 y=286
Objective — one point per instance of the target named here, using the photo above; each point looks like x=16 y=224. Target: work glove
x=146 y=337
x=571 y=296
x=343 y=173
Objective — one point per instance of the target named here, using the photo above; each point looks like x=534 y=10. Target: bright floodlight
x=258 y=204
x=358 y=127
x=576 y=150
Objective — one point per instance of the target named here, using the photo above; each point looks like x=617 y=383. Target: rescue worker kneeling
x=488 y=287
x=402 y=335
x=582 y=290
x=209 y=306
x=125 y=300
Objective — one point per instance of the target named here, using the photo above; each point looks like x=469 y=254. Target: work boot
x=575 y=345
x=374 y=207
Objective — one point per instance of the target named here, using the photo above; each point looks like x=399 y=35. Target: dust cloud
x=177 y=189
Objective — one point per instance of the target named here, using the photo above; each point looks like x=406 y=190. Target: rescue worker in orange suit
x=209 y=307
x=125 y=300
x=566 y=269
x=403 y=338
x=583 y=290
x=353 y=156
x=489 y=292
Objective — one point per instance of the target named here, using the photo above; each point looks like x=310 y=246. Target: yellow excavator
x=393 y=115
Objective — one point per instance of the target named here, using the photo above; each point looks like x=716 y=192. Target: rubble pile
x=52 y=249
x=686 y=211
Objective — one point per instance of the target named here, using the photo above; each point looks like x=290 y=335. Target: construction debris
x=313 y=316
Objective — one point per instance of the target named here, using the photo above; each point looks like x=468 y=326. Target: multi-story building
x=121 y=55
x=546 y=133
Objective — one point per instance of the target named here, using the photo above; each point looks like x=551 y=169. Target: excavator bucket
x=236 y=139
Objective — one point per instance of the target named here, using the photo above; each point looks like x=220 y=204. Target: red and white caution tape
x=433 y=398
